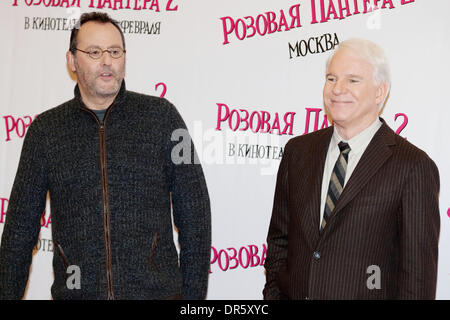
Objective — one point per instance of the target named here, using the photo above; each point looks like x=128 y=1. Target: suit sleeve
x=419 y=232
x=191 y=207
x=277 y=238
x=22 y=225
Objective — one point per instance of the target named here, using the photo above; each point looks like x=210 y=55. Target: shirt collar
x=360 y=141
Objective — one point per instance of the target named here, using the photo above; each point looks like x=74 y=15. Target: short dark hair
x=100 y=17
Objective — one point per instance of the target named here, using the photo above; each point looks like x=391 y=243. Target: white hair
x=370 y=52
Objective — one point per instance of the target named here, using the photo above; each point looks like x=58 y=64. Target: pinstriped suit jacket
x=387 y=216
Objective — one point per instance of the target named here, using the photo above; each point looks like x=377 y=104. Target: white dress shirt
x=358 y=145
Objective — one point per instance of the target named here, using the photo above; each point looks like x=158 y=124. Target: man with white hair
x=356 y=209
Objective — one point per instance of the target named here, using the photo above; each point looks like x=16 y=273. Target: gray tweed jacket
x=113 y=188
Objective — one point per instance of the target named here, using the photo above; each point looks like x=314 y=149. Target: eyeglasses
x=97 y=53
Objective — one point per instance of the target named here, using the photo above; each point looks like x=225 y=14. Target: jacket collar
x=376 y=154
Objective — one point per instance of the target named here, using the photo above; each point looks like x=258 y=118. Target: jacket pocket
x=62 y=255
x=178 y=296
x=152 y=252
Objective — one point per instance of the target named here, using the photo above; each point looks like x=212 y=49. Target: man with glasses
x=106 y=159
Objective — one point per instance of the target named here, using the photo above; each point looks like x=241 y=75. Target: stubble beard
x=90 y=81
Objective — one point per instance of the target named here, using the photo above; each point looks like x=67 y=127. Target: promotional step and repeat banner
x=246 y=76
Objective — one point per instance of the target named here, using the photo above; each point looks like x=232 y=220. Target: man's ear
x=381 y=93
x=71 y=61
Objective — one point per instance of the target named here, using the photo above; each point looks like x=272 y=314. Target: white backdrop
x=256 y=58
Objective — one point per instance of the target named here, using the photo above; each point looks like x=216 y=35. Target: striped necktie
x=336 y=182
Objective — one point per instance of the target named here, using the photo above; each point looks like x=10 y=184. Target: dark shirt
x=100 y=114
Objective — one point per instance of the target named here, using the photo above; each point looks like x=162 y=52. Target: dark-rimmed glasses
x=97 y=53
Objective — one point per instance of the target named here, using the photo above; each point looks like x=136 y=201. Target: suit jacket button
x=316 y=255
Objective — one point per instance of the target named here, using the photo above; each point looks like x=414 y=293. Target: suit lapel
x=375 y=155
x=310 y=176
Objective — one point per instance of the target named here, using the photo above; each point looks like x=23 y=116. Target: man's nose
x=339 y=87
x=106 y=58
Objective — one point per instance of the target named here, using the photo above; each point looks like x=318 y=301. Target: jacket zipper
x=105 y=202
